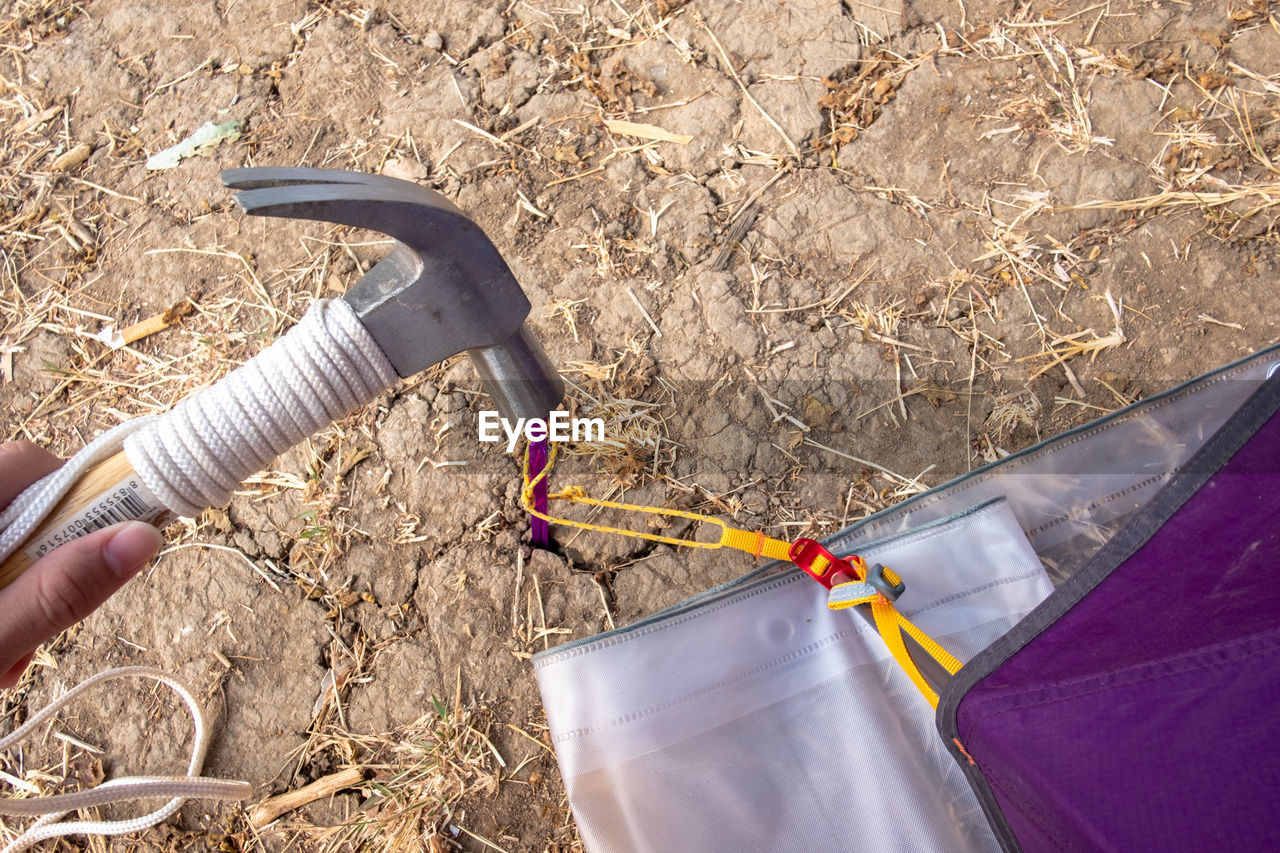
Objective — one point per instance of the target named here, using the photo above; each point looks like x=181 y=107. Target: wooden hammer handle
x=109 y=492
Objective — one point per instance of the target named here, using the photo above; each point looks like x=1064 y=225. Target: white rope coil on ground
x=195 y=455
x=117 y=790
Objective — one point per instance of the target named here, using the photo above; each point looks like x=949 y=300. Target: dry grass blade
x=880 y=321
x=905 y=486
x=567 y=310
x=646 y=131
x=746 y=93
x=1259 y=197
x=1065 y=347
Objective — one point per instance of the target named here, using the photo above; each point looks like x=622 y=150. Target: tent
x=1109 y=592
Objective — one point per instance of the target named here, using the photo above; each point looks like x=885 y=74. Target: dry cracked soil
x=806 y=257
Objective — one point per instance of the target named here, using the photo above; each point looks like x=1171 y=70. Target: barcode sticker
x=128 y=500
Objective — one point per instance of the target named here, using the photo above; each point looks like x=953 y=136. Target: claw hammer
x=443 y=289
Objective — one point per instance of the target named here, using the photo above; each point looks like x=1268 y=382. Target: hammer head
x=442 y=289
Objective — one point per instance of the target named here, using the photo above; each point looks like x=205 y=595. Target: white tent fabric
x=753 y=718
x=765 y=721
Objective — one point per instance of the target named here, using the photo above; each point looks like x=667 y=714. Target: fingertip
x=14 y=675
x=68 y=583
x=131 y=546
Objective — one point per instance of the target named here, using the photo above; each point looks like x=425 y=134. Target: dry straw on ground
x=1010 y=330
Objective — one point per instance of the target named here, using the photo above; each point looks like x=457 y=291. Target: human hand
x=68 y=583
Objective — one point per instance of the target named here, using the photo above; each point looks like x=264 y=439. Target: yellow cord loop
x=752 y=542
x=815 y=560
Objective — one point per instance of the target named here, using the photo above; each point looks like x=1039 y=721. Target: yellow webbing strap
x=891 y=624
x=752 y=542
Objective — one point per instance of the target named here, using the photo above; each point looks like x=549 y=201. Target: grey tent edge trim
x=1243 y=424
x=840 y=540
x=915 y=502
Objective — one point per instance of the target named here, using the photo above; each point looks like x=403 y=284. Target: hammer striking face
x=441 y=290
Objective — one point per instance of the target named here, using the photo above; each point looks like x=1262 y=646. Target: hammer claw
x=257 y=177
x=443 y=288
x=387 y=209
x=346 y=198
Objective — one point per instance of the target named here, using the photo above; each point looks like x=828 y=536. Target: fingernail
x=133 y=544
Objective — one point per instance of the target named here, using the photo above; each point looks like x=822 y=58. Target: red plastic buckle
x=805 y=552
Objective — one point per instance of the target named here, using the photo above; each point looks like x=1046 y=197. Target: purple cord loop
x=539 y=529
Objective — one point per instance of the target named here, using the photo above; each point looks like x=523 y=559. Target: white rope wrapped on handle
x=194 y=456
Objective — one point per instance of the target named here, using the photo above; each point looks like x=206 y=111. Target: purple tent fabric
x=1136 y=709
x=539 y=529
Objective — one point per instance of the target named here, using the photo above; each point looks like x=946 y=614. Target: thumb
x=68 y=584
